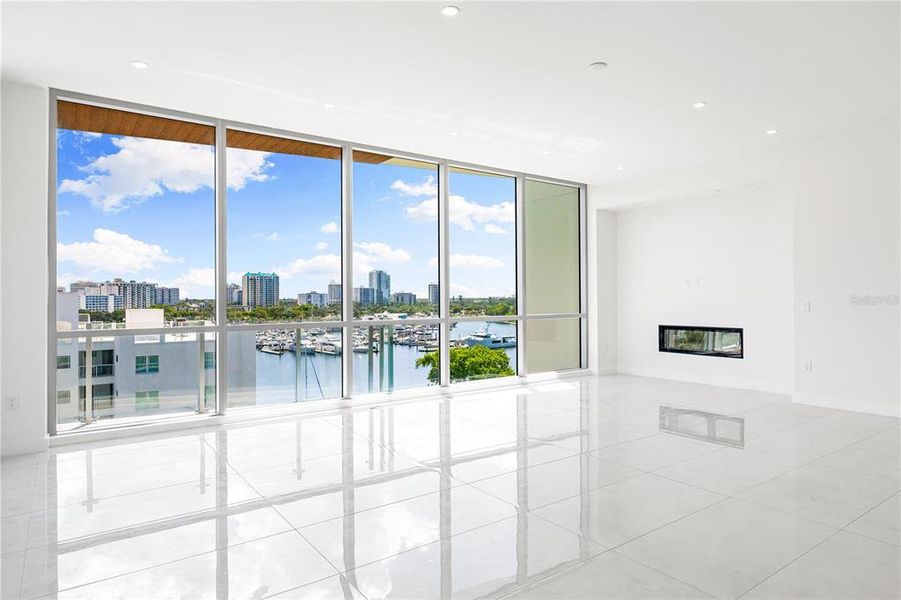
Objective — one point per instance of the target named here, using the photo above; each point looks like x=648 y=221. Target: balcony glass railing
x=183 y=383
x=97 y=371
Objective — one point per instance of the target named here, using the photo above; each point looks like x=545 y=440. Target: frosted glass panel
x=552 y=248
x=552 y=345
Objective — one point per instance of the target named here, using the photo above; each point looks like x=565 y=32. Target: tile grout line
x=287 y=522
x=789 y=563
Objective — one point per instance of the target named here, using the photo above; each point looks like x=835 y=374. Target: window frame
x=151 y=364
x=662 y=347
x=220 y=327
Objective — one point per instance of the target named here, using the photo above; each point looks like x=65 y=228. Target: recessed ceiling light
x=454 y=133
x=139 y=64
x=598 y=66
x=330 y=105
x=620 y=167
x=772 y=131
x=450 y=11
x=545 y=151
x=699 y=105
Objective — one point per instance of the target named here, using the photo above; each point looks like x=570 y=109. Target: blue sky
x=144 y=209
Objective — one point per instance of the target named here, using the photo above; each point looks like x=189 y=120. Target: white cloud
x=463 y=212
x=375 y=255
x=321 y=245
x=470 y=261
x=143 y=167
x=427 y=210
x=322 y=265
x=329 y=228
x=381 y=252
x=494 y=229
x=246 y=165
x=114 y=252
x=272 y=237
x=426 y=188
x=195 y=283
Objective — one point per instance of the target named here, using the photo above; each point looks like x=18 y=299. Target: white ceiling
x=510 y=78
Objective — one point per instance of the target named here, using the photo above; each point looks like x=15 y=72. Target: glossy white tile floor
x=564 y=489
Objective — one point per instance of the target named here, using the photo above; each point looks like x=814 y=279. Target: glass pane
x=395 y=222
x=135 y=218
x=395 y=357
x=482 y=215
x=284 y=230
x=552 y=248
x=267 y=367
x=553 y=344
x=134 y=376
x=482 y=350
x=708 y=341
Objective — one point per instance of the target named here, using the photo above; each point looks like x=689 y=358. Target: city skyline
x=144 y=209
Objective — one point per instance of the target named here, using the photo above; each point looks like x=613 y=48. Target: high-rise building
x=381 y=283
x=434 y=296
x=334 y=293
x=403 y=298
x=100 y=303
x=85 y=287
x=135 y=294
x=167 y=295
x=260 y=289
x=233 y=294
x=313 y=299
x=364 y=295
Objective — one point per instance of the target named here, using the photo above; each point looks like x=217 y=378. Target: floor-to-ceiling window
x=201 y=266
x=282 y=281
x=396 y=287
x=134 y=250
x=553 y=277
x=482 y=275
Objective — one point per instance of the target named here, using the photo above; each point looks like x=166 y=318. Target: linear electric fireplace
x=705 y=341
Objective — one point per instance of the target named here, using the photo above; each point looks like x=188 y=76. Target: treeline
x=291 y=311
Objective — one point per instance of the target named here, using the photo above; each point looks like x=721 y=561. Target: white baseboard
x=854 y=405
x=26 y=446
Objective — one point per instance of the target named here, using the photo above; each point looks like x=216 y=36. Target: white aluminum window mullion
x=221 y=273
x=583 y=275
x=444 y=272
x=52 y=343
x=521 y=324
x=347 y=271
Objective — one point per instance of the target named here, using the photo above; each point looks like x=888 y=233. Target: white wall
x=602 y=338
x=718 y=261
x=844 y=237
x=846 y=196
x=23 y=320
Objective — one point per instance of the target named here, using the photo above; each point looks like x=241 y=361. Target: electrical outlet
x=808 y=366
x=11 y=402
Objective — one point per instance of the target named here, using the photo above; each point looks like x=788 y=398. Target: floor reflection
x=131 y=529
x=703 y=425
x=475 y=495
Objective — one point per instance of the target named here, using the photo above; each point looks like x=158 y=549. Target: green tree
x=469 y=362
